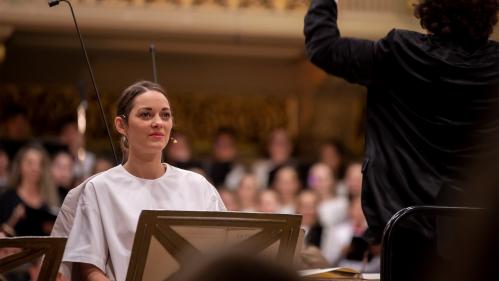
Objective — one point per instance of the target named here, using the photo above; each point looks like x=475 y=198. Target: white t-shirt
x=109 y=208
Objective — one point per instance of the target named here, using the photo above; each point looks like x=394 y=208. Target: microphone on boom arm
x=53 y=3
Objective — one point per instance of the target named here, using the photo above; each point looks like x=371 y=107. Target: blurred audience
x=353 y=179
x=16 y=126
x=4 y=169
x=84 y=160
x=268 y=202
x=307 y=205
x=229 y=199
x=287 y=185
x=247 y=193
x=62 y=173
x=223 y=168
x=345 y=243
x=179 y=153
x=332 y=208
x=102 y=164
x=279 y=149
x=30 y=206
x=332 y=153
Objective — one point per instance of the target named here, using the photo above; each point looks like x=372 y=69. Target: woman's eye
x=165 y=115
x=145 y=115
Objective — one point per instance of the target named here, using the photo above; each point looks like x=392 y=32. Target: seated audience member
x=4 y=170
x=229 y=199
x=345 y=245
x=279 y=149
x=332 y=208
x=268 y=202
x=102 y=164
x=29 y=207
x=287 y=185
x=75 y=141
x=223 y=168
x=62 y=173
x=179 y=153
x=353 y=179
x=332 y=153
x=306 y=206
x=16 y=128
x=247 y=193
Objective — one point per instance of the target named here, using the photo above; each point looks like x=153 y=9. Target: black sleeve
x=352 y=59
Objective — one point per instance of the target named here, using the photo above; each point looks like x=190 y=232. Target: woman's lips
x=157 y=135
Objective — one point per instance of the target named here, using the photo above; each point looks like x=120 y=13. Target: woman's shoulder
x=110 y=174
x=179 y=173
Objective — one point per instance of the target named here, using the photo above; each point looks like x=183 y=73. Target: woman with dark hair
x=29 y=207
x=432 y=109
x=100 y=241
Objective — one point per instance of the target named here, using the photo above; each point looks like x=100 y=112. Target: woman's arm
x=88 y=272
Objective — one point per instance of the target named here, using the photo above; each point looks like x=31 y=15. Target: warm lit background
x=236 y=63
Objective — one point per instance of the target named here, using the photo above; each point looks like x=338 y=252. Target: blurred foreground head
x=235 y=267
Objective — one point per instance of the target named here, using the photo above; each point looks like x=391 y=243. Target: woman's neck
x=29 y=187
x=146 y=167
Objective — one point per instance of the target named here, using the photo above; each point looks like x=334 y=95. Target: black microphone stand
x=54 y=3
x=152 y=50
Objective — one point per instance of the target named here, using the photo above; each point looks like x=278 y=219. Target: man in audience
x=223 y=168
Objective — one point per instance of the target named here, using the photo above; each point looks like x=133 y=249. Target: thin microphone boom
x=54 y=3
x=152 y=50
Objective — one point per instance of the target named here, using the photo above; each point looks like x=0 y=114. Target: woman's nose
x=157 y=121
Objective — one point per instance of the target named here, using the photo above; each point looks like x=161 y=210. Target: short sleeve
x=86 y=242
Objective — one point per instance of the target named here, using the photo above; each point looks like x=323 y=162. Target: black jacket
x=432 y=111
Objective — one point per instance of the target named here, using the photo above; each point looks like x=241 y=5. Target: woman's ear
x=119 y=124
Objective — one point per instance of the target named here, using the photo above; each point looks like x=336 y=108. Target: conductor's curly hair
x=463 y=20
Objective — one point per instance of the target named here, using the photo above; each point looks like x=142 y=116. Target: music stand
x=165 y=240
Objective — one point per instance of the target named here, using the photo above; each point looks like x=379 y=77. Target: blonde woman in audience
x=287 y=185
x=29 y=207
x=332 y=208
x=247 y=193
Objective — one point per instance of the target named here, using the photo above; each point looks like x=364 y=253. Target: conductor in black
x=432 y=103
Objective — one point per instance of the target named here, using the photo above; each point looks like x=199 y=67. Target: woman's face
x=279 y=147
x=320 y=179
x=31 y=166
x=286 y=182
x=248 y=189
x=149 y=124
x=62 y=169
